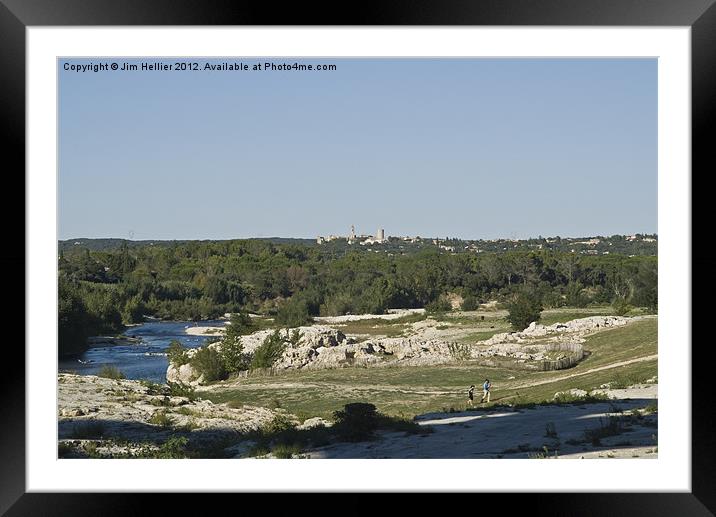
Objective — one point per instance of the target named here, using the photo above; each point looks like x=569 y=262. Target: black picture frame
x=17 y=15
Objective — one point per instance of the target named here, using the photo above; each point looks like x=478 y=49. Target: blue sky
x=472 y=148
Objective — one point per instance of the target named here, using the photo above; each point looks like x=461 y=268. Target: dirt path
x=586 y=372
x=422 y=391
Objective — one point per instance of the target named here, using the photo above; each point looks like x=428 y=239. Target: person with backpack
x=470 y=394
x=486 y=386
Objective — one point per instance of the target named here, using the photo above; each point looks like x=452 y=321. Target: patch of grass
x=190 y=425
x=611 y=426
x=111 y=372
x=162 y=419
x=283 y=451
x=90 y=448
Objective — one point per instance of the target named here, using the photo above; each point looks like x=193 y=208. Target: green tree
x=438 y=306
x=524 y=308
x=176 y=353
x=240 y=324
x=293 y=313
x=208 y=363
x=133 y=311
x=575 y=296
x=231 y=348
x=469 y=303
x=72 y=319
x=269 y=351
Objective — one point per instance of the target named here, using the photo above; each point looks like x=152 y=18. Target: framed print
x=272 y=251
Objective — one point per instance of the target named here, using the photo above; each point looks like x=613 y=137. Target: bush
x=174 y=447
x=356 y=422
x=285 y=452
x=523 y=309
x=208 y=363
x=111 y=372
x=269 y=351
x=179 y=389
x=470 y=303
x=575 y=295
x=295 y=337
x=240 y=324
x=438 y=306
x=161 y=419
x=279 y=424
x=176 y=353
x=232 y=353
x=620 y=306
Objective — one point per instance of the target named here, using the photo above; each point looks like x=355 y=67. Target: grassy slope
x=407 y=391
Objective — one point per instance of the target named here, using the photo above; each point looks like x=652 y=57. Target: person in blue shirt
x=486 y=386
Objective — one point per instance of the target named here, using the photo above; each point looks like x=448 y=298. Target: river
x=144 y=360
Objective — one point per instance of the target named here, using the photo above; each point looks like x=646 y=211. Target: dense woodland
x=101 y=290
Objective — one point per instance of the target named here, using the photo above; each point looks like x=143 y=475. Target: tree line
x=101 y=291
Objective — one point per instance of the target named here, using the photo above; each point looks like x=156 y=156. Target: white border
x=670 y=472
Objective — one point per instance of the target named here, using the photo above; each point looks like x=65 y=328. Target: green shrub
x=173 y=448
x=208 y=363
x=293 y=313
x=176 y=353
x=470 y=303
x=575 y=295
x=179 y=389
x=153 y=388
x=356 y=422
x=279 y=424
x=283 y=451
x=232 y=353
x=110 y=372
x=438 y=306
x=620 y=306
x=524 y=308
x=269 y=351
x=295 y=337
x=162 y=419
x=240 y=324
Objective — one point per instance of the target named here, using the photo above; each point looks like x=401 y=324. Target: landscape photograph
x=376 y=258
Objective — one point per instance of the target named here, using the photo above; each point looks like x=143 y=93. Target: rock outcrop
x=578 y=326
x=322 y=346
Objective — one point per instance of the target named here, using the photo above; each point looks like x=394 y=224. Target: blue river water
x=144 y=360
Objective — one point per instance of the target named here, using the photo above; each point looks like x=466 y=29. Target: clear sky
x=471 y=148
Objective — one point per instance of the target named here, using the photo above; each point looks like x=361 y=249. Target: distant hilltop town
x=352 y=238
x=636 y=244
x=629 y=244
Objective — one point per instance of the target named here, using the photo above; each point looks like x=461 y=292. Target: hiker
x=470 y=394
x=486 y=386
